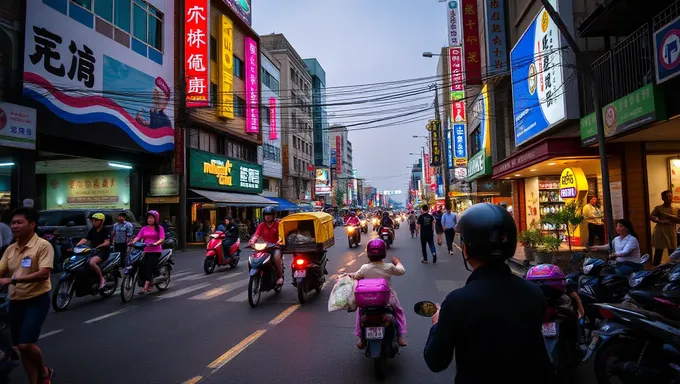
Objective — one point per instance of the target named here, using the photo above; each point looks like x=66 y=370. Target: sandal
x=423 y=261
x=47 y=379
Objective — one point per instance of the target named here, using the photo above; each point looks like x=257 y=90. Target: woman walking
x=438 y=227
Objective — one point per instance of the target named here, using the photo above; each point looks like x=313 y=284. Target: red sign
x=273 y=134
x=197 y=52
x=456 y=69
x=473 y=63
x=426 y=170
x=458 y=111
x=338 y=154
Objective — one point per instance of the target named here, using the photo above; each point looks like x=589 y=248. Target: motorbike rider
x=494 y=322
x=268 y=230
x=100 y=241
x=387 y=222
x=230 y=235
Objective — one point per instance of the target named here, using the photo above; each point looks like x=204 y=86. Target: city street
x=202 y=329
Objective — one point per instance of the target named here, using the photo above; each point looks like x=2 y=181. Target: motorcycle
x=170 y=241
x=161 y=276
x=387 y=236
x=397 y=222
x=214 y=255
x=353 y=235
x=376 y=224
x=308 y=273
x=364 y=225
x=80 y=279
x=9 y=358
x=262 y=273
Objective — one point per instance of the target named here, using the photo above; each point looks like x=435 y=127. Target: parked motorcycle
x=214 y=255
x=353 y=235
x=80 y=279
x=263 y=274
x=161 y=276
x=9 y=358
x=170 y=241
x=386 y=235
x=309 y=272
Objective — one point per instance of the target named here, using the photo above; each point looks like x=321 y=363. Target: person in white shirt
x=626 y=248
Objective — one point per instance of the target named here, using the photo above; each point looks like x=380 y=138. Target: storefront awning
x=234 y=199
x=284 y=205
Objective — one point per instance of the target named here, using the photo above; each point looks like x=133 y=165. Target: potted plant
x=546 y=249
x=529 y=239
x=568 y=218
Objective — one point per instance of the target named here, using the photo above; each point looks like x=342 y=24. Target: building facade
x=269 y=154
x=322 y=150
x=296 y=114
x=341 y=165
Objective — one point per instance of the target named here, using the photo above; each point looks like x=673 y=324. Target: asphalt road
x=202 y=330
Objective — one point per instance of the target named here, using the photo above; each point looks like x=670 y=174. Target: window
x=265 y=115
x=270 y=81
x=475 y=140
x=193 y=138
x=265 y=184
x=104 y=9
x=207 y=141
x=155 y=29
x=213 y=94
x=121 y=14
x=239 y=107
x=87 y=4
x=213 y=49
x=239 y=69
x=139 y=22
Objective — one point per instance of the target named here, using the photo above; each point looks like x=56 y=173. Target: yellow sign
x=221 y=170
x=226 y=83
x=573 y=184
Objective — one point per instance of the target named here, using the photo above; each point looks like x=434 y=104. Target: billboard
x=453 y=12
x=273 y=133
x=243 y=9
x=210 y=171
x=322 y=185
x=456 y=70
x=226 y=84
x=197 y=52
x=435 y=145
x=86 y=86
x=252 y=87
x=496 y=46
x=473 y=62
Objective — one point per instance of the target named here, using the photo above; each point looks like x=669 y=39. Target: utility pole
x=442 y=144
x=584 y=67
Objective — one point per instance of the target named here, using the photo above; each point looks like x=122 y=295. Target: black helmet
x=268 y=210
x=386 y=214
x=488 y=232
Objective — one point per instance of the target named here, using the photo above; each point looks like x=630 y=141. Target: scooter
x=214 y=255
x=364 y=226
x=79 y=279
x=386 y=236
x=353 y=235
x=309 y=272
x=262 y=273
x=161 y=276
x=376 y=224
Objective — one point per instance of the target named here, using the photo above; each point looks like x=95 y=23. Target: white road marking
x=243 y=296
x=197 y=276
x=229 y=276
x=52 y=333
x=219 y=291
x=178 y=274
x=182 y=291
x=102 y=317
x=341 y=270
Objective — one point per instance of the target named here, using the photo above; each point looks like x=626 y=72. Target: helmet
x=97 y=216
x=376 y=250
x=352 y=213
x=154 y=214
x=386 y=214
x=548 y=274
x=268 y=210
x=488 y=232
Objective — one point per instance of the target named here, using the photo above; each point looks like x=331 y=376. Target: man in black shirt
x=100 y=240
x=426 y=229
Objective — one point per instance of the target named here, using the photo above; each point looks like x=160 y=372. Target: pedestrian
x=29 y=263
x=121 y=235
x=592 y=214
x=626 y=248
x=426 y=229
x=449 y=224
x=153 y=235
x=666 y=217
x=438 y=226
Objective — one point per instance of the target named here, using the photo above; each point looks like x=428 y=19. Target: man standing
x=29 y=263
x=121 y=235
x=666 y=217
x=449 y=223
x=426 y=229
x=592 y=214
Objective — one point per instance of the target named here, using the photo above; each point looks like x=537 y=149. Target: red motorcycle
x=214 y=256
x=387 y=235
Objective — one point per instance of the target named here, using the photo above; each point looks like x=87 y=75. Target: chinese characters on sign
x=88 y=189
x=459 y=142
x=454 y=22
x=449 y=148
x=207 y=170
x=82 y=60
x=252 y=84
x=435 y=148
x=338 y=154
x=273 y=134
x=250 y=177
x=473 y=65
x=496 y=47
x=226 y=85
x=17 y=126
x=546 y=69
x=426 y=168
x=196 y=52
x=456 y=70
x=458 y=111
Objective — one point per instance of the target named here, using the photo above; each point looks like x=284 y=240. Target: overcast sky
x=362 y=42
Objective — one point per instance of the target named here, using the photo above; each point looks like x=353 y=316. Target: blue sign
x=333 y=156
x=538 y=89
x=496 y=46
x=459 y=141
x=449 y=148
x=667 y=48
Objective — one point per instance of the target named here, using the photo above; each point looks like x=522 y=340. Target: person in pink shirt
x=153 y=235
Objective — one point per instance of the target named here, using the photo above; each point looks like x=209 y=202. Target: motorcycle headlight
x=363 y=222
x=587 y=268
x=350 y=229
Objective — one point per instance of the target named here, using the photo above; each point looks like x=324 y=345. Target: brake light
x=550 y=314
x=300 y=262
x=607 y=314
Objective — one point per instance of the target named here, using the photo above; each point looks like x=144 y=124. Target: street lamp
x=430 y=54
x=420 y=137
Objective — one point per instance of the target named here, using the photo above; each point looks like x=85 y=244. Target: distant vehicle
x=74 y=223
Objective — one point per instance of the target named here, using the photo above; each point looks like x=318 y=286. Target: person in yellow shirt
x=29 y=263
x=666 y=218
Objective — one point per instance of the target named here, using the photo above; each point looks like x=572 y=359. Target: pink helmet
x=155 y=215
x=376 y=249
x=548 y=274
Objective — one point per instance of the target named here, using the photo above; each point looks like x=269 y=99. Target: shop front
x=163 y=196
x=220 y=187
x=17 y=150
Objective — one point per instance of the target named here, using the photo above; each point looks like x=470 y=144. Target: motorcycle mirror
x=425 y=308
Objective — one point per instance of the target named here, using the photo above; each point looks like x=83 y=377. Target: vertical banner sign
x=456 y=71
x=252 y=91
x=273 y=134
x=458 y=111
x=453 y=10
x=196 y=52
x=449 y=148
x=426 y=169
x=226 y=84
x=435 y=145
x=459 y=145
x=473 y=65
x=338 y=154
x=496 y=46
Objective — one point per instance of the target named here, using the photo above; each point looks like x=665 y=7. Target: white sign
x=460 y=173
x=453 y=20
x=616 y=194
x=164 y=185
x=392 y=192
x=17 y=126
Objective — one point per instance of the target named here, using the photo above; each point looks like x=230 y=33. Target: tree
x=569 y=218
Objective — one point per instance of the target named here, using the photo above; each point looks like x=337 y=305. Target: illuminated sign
x=207 y=170
x=197 y=52
x=226 y=84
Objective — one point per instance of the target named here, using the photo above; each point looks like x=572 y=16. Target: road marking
x=197 y=276
x=282 y=316
x=341 y=270
x=238 y=348
x=457 y=246
x=182 y=291
x=102 y=317
x=178 y=274
x=243 y=296
x=361 y=254
x=193 y=380
x=229 y=276
x=219 y=291
x=350 y=262
x=52 y=333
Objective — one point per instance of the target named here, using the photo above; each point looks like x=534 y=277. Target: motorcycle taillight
x=372 y=319
x=550 y=314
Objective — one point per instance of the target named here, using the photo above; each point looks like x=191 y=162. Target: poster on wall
x=616 y=194
x=674 y=167
x=105 y=189
x=323 y=181
x=86 y=86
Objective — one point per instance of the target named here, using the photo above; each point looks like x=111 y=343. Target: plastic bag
x=342 y=295
x=298 y=238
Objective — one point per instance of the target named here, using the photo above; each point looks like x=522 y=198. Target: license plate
x=300 y=273
x=375 y=333
x=593 y=343
x=549 y=329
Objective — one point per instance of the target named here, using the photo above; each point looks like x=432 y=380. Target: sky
x=367 y=42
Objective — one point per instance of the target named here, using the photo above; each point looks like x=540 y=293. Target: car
x=74 y=223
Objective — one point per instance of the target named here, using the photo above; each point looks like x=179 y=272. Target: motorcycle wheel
x=254 y=290
x=380 y=365
x=613 y=354
x=109 y=292
x=167 y=272
x=61 y=300
x=127 y=288
x=234 y=263
x=209 y=265
x=349 y=240
x=302 y=295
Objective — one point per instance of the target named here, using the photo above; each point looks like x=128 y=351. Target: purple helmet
x=548 y=274
x=376 y=249
x=155 y=215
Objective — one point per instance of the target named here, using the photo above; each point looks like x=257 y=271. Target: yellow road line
x=350 y=262
x=341 y=270
x=193 y=380
x=238 y=348
x=282 y=316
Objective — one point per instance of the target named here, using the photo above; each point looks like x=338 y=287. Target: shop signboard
x=473 y=61
x=85 y=86
x=426 y=168
x=460 y=173
x=573 y=185
x=105 y=189
x=458 y=111
x=456 y=70
x=164 y=185
x=226 y=53
x=273 y=133
x=449 y=149
x=543 y=88
x=478 y=165
x=322 y=185
x=496 y=45
x=338 y=154
x=435 y=143
x=243 y=9
x=210 y=171
x=454 y=19
x=633 y=110
x=252 y=86
x=17 y=126
x=667 y=48
x=197 y=52
x=459 y=142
